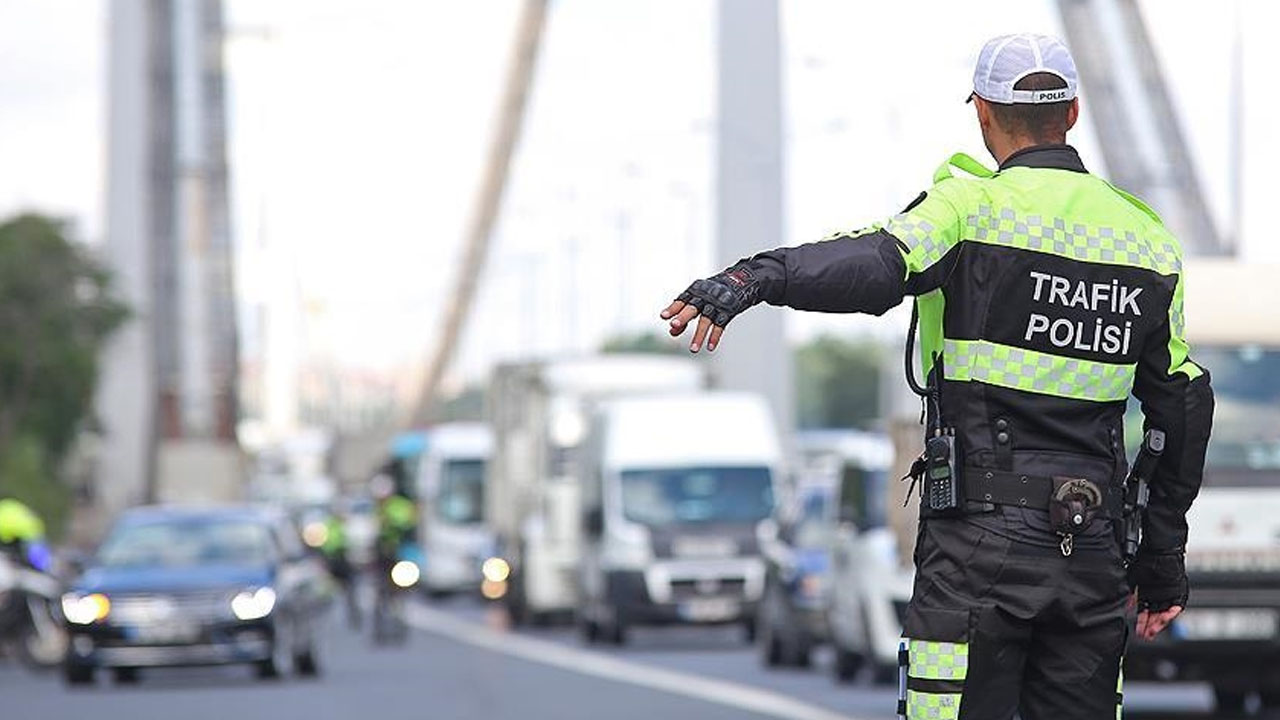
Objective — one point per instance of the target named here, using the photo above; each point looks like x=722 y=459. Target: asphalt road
x=460 y=664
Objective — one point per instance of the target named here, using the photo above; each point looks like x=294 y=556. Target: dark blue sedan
x=793 y=611
x=196 y=586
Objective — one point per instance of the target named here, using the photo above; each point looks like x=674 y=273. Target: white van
x=451 y=484
x=678 y=492
x=540 y=413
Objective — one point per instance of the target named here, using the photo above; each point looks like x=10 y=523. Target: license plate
x=709 y=609
x=158 y=633
x=1226 y=625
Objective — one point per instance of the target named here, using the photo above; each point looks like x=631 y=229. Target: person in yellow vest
x=397 y=529
x=336 y=548
x=22 y=534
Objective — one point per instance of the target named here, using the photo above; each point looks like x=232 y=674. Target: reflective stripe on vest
x=1074 y=240
x=1031 y=371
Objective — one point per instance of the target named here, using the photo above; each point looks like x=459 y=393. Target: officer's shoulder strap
x=962 y=161
x=965 y=162
x=1134 y=201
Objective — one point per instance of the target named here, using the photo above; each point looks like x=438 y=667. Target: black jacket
x=986 y=282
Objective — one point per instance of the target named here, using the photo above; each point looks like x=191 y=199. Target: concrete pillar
x=749 y=199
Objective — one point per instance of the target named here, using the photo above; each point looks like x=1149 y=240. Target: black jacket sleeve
x=844 y=274
x=869 y=271
x=1177 y=398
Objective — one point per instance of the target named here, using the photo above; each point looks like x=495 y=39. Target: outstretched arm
x=867 y=271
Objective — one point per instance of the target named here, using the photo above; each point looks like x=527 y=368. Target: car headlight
x=85 y=609
x=628 y=546
x=405 y=573
x=495 y=569
x=315 y=534
x=253 y=604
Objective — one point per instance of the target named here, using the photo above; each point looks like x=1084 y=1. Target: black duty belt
x=1003 y=487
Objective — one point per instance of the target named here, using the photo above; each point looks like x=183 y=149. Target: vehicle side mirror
x=593 y=522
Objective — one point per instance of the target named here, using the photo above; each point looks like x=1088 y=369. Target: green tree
x=56 y=311
x=837 y=383
x=643 y=342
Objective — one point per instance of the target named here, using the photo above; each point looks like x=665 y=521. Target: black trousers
x=997 y=626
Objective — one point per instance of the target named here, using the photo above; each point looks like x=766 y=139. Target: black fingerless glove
x=1160 y=578
x=723 y=296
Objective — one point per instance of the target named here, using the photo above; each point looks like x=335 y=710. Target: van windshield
x=1246 y=418
x=675 y=496
x=461 y=496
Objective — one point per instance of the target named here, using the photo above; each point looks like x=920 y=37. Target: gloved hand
x=724 y=295
x=1160 y=579
x=718 y=299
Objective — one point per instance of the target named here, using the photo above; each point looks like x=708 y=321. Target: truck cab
x=540 y=415
x=678 y=492
x=1229 y=635
x=451 y=485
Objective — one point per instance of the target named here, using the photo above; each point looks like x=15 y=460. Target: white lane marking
x=585 y=662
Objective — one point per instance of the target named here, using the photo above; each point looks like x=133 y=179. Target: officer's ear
x=985 y=120
x=1073 y=113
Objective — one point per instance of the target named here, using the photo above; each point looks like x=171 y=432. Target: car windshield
x=1246 y=418
x=674 y=496
x=461 y=496
x=186 y=543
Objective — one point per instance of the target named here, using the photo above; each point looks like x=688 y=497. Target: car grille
x=200 y=607
x=687 y=589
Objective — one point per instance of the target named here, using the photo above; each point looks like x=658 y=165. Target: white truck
x=451 y=487
x=539 y=413
x=673 y=516
x=1229 y=636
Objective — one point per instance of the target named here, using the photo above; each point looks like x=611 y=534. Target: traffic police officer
x=1045 y=296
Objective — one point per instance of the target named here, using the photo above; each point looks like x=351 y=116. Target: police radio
x=938 y=468
x=940 y=490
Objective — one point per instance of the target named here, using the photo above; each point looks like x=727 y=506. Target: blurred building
x=167 y=401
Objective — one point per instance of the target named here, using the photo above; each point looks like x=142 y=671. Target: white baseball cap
x=1007 y=59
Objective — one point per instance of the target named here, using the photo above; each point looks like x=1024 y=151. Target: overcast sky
x=359 y=127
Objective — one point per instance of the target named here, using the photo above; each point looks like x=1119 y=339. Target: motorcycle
x=31 y=627
x=392 y=584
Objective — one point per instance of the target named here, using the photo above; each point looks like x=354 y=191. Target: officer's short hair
x=1043 y=123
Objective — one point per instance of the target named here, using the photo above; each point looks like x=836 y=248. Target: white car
x=869 y=589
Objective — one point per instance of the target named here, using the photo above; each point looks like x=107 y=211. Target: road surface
x=460 y=663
